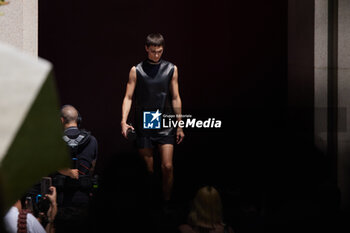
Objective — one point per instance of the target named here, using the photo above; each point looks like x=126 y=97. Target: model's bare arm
x=177 y=105
x=126 y=106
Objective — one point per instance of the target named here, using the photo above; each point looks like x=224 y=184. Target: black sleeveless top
x=152 y=93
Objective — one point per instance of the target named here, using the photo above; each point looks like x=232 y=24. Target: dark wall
x=232 y=59
x=301 y=24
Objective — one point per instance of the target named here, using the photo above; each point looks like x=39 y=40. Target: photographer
x=75 y=184
x=21 y=219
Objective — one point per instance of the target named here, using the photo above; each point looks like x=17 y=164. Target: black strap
x=77 y=143
x=73 y=142
x=77 y=140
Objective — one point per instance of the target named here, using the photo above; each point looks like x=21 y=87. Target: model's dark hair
x=155 y=39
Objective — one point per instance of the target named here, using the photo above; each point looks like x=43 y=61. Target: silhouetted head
x=207 y=208
x=69 y=116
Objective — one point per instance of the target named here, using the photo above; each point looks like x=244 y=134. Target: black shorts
x=151 y=141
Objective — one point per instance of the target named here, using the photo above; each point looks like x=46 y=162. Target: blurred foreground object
x=2 y=2
x=30 y=132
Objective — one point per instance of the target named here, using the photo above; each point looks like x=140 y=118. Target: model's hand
x=179 y=135
x=125 y=128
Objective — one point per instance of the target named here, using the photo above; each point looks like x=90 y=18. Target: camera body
x=131 y=134
x=36 y=201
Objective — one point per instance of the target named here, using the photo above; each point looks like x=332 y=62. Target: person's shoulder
x=93 y=142
x=165 y=62
x=171 y=67
x=93 y=139
x=13 y=209
x=221 y=228
x=89 y=137
x=33 y=225
x=11 y=213
x=185 y=228
x=138 y=65
x=10 y=220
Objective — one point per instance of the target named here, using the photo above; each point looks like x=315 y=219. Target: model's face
x=154 y=52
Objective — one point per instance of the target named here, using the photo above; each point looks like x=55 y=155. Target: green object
x=38 y=148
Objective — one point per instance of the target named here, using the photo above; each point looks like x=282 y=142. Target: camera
x=131 y=134
x=36 y=201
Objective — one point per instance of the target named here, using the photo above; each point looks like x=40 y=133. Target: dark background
x=233 y=66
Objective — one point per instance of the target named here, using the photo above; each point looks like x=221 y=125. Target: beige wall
x=19 y=25
x=321 y=69
x=343 y=75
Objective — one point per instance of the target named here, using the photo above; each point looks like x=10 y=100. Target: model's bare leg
x=166 y=154
x=147 y=155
